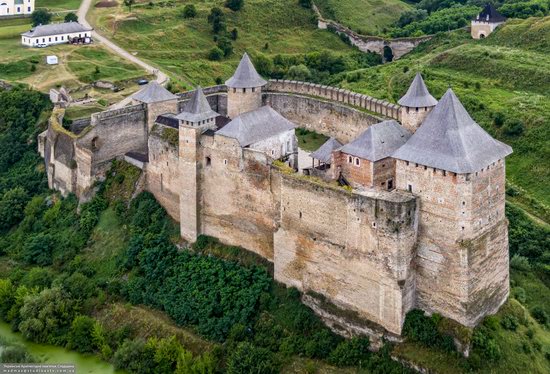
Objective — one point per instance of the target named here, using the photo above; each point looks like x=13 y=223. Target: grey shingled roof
x=257 y=125
x=490 y=14
x=246 y=75
x=417 y=95
x=449 y=139
x=153 y=93
x=378 y=141
x=197 y=108
x=55 y=29
x=324 y=153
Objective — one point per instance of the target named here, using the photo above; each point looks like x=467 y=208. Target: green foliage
x=39 y=278
x=299 y=73
x=12 y=204
x=81 y=334
x=217 y=19
x=190 y=11
x=234 y=5
x=41 y=17
x=135 y=356
x=129 y=4
x=410 y=16
x=38 y=249
x=215 y=54
x=71 y=17
x=423 y=329
x=499 y=119
x=46 y=317
x=520 y=263
x=513 y=128
x=485 y=345
x=525 y=9
x=438 y=21
x=540 y=315
x=12 y=354
x=247 y=358
x=350 y=352
x=527 y=239
x=306 y=3
x=79 y=286
x=225 y=45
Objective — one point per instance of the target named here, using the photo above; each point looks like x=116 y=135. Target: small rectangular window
x=357 y=162
x=410 y=188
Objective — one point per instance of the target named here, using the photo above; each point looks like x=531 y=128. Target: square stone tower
x=244 y=89
x=416 y=104
x=457 y=171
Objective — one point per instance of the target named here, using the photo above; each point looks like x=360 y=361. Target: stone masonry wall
x=411 y=118
x=356 y=250
x=163 y=173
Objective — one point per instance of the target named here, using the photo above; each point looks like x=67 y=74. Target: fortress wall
x=353 y=249
x=235 y=195
x=116 y=132
x=163 y=174
x=340 y=95
x=328 y=118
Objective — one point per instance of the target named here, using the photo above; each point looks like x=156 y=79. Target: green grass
x=368 y=17
x=180 y=46
x=488 y=77
x=309 y=140
x=58 y=5
x=76 y=112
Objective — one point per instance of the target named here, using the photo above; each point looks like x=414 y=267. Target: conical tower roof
x=197 y=108
x=417 y=95
x=490 y=14
x=246 y=75
x=449 y=139
x=153 y=93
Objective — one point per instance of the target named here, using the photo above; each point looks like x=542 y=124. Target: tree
x=299 y=73
x=129 y=4
x=217 y=19
x=190 y=11
x=247 y=358
x=234 y=5
x=41 y=17
x=12 y=206
x=38 y=249
x=71 y=17
x=81 y=334
x=306 y=3
x=225 y=45
x=215 y=54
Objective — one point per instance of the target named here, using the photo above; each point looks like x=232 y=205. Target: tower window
x=208 y=161
x=410 y=187
x=357 y=162
x=253 y=89
x=244 y=90
x=350 y=159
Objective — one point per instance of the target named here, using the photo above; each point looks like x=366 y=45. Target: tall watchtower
x=457 y=171
x=416 y=104
x=244 y=89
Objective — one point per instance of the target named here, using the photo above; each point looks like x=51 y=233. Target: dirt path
x=161 y=77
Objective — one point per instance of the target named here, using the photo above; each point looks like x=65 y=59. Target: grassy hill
x=179 y=46
x=368 y=17
x=506 y=75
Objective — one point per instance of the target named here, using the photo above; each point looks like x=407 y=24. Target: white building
x=16 y=7
x=56 y=33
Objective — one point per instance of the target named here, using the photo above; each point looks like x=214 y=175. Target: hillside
x=180 y=46
x=367 y=17
x=501 y=80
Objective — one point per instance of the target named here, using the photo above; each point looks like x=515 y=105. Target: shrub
x=306 y=3
x=217 y=19
x=518 y=293
x=215 y=54
x=520 y=263
x=540 y=315
x=234 y=5
x=38 y=249
x=79 y=286
x=15 y=354
x=247 y=358
x=513 y=128
x=509 y=322
x=225 y=45
x=485 y=345
x=71 y=17
x=135 y=356
x=12 y=206
x=38 y=277
x=350 y=352
x=499 y=119
x=190 y=11
x=81 y=335
x=420 y=328
x=234 y=34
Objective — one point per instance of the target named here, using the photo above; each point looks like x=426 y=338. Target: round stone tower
x=416 y=104
x=244 y=89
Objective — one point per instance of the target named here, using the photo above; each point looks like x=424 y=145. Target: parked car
x=142 y=82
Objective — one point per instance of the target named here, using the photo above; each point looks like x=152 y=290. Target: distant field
x=180 y=46
x=507 y=73
x=367 y=17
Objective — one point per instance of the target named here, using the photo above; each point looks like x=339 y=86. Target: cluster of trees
x=433 y=16
x=223 y=38
x=317 y=67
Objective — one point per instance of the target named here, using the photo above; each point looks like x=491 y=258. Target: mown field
x=501 y=80
x=179 y=46
x=368 y=17
x=58 y=5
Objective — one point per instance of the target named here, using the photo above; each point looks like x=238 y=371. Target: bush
x=518 y=293
x=190 y=11
x=234 y=5
x=225 y=45
x=135 y=356
x=247 y=358
x=79 y=286
x=520 y=263
x=540 y=315
x=215 y=54
x=350 y=352
x=38 y=249
x=234 y=34
x=499 y=119
x=12 y=206
x=81 y=335
x=71 y=17
x=40 y=278
x=420 y=328
x=513 y=128
x=509 y=322
x=485 y=345
x=15 y=354
x=306 y=3
x=217 y=19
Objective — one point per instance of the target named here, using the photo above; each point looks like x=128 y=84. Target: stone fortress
x=402 y=208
